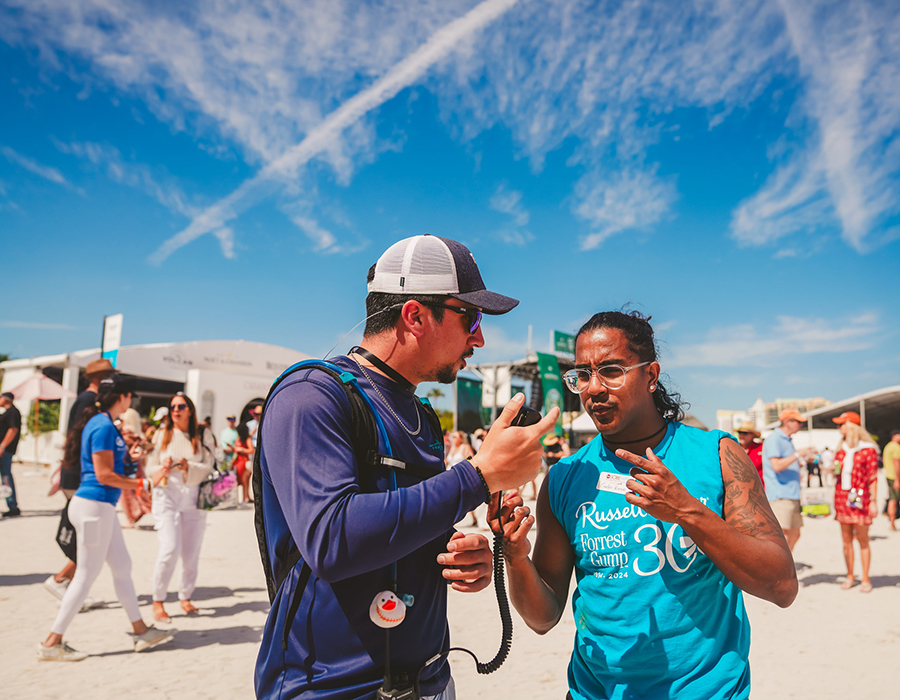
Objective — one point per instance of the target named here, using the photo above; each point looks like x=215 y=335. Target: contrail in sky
x=401 y=76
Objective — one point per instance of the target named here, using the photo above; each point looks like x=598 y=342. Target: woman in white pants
x=95 y=442
x=183 y=458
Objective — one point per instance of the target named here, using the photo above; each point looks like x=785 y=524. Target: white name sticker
x=614 y=483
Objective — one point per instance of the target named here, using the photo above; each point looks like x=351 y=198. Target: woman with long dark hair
x=181 y=460
x=95 y=444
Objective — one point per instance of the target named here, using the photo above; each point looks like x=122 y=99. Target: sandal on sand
x=847 y=584
x=866 y=587
x=162 y=617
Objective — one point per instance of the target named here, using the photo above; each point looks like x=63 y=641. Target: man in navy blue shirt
x=359 y=534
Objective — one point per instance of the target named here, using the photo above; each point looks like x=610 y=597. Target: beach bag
x=216 y=489
x=65 y=535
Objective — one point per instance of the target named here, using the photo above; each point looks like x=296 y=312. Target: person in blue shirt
x=665 y=525
x=781 y=471
x=357 y=533
x=96 y=445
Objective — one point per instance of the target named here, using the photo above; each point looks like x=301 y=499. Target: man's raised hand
x=511 y=456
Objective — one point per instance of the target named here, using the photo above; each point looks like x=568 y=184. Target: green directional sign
x=563 y=343
x=551 y=384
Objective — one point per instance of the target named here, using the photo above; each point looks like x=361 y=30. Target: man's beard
x=447 y=373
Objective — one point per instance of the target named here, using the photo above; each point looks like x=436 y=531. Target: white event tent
x=220 y=376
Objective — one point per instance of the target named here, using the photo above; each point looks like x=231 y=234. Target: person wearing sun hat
x=555 y=448
x=781 y=473
x=748 y=436
x=855 y=493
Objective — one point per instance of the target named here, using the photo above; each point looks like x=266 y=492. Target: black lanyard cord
x=384 y=367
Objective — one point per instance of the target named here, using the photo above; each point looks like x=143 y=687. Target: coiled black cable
x=505 y=619
x=505 y=615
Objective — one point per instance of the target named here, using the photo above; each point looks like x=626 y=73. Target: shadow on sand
x=838 y=579
x=194 y=639
x=22 y=579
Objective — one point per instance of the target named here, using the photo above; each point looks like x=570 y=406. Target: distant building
x=802 y=405
x=729 y=420
x=758 y=413
x=762 y=414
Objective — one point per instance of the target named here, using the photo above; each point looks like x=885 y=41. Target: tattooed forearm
x=746 y=507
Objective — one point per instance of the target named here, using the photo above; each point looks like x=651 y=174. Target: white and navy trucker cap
x=434 y=265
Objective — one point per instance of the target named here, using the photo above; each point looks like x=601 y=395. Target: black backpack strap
x=305 y=572
x=388 y=462
x=432 y=416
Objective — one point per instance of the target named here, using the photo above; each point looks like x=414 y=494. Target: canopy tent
x=220 y=376
x=879 y=411
x=39 y=387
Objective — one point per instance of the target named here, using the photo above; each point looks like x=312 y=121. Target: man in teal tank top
x=663 y=545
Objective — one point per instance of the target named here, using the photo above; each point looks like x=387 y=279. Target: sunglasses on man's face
x=473 y=316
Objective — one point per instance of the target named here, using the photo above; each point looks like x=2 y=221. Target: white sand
x=829 y=644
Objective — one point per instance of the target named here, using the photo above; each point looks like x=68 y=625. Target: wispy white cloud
x=326 y=135
x=628 y=200
x=744 y=345
x=30 y=325
x=733 y=381
x=845 y=174
x=608 y=76
x=226 y=241
x=498 y=345
x=285 y=84
x=31 y=165
x=157 y=184
x=509 y=202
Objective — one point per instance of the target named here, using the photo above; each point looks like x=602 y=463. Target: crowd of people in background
x=852 y=470
x=156 y=465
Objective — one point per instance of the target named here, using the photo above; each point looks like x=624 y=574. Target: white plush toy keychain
x=387 y=610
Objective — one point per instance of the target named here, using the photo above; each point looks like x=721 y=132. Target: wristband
x=487 y=491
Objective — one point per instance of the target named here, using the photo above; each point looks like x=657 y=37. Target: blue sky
x=225 y=170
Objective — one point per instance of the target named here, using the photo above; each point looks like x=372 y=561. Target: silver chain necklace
x=386 y=403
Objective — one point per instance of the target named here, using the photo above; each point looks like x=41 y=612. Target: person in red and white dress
x=855 y=491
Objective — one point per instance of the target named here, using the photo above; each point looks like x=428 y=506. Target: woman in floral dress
x=856 y=474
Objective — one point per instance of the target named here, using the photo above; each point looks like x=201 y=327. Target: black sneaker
x=12 y=513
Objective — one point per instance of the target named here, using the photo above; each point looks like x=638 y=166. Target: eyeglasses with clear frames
x=610 y=376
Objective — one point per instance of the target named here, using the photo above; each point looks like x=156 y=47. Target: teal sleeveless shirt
x=654 y=617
